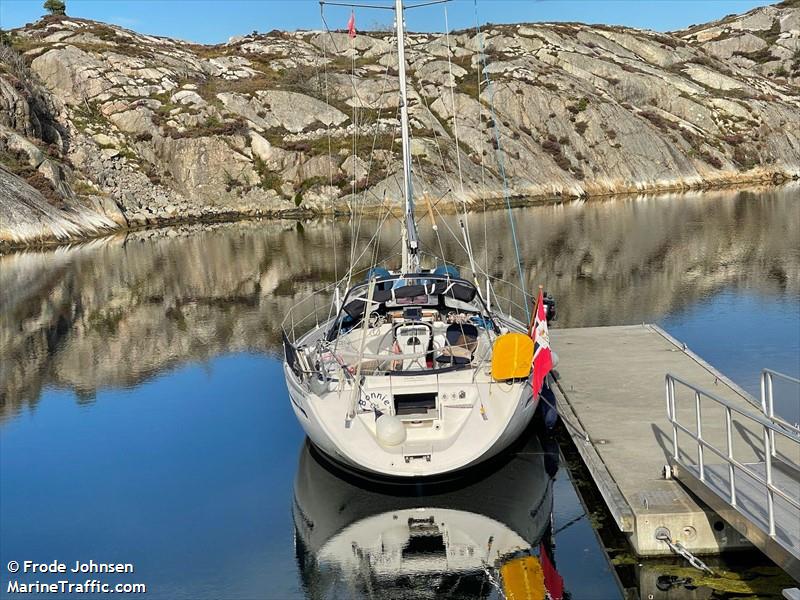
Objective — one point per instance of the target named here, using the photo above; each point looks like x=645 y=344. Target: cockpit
x=412 y=323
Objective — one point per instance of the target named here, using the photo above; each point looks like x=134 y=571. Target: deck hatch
x=414 y=404
x=425 y=544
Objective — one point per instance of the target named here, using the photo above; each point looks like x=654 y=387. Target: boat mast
x=410 y=238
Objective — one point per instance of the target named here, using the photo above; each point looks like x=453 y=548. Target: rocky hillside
x=763 y=40
x=104 y=128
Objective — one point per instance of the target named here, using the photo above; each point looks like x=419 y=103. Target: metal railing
x=762 y=421
x=768 y=377
x=318 y=360
x=320 y=306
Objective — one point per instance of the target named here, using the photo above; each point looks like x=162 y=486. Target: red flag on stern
x=542 y=357
x=351 y=25
x=553 y=582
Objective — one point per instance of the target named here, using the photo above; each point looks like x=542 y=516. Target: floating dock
x=611 y=393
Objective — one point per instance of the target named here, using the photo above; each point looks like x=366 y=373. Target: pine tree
x=55 y=7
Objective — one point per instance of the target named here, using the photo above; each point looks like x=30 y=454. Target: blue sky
x=214 y=21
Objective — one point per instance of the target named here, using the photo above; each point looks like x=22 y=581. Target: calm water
x=144 y=419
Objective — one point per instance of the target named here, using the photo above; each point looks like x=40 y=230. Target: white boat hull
x=483 y=435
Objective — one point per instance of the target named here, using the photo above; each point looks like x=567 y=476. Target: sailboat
x=467 y=541
x=411 y=372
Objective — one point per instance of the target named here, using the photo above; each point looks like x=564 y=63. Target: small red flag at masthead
x=351 y=25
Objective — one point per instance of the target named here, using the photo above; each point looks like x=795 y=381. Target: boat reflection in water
x=487 y=535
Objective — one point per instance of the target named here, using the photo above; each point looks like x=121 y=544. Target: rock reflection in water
x=116 y=311
x=486 y=536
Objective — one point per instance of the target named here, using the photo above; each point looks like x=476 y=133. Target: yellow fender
x=523 y=579
x=512 y=356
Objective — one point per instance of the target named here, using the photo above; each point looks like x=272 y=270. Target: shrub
x=213 y=126
x=554 y=149
x=269 y=179
x=690 y=137
x=45 y=188
x=551 y=147
x=657 y=120
x=563 y=162
x=759 y=56
x=747 y=159
x=55 y=7
x=712 y=160
x=298 y=146
x=580 y=106
x=231 y=182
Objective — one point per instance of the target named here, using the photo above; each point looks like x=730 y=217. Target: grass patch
x=212 y=127
x=85 y=188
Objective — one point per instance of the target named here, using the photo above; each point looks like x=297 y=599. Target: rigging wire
x=467 y=238
x=467 y=244
x=501 y=165
x=330 y=149
x=372 y=149
x=425 y=193
x=357 y=208
x=356 y=216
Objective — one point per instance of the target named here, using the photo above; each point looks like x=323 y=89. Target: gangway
x=747 y=472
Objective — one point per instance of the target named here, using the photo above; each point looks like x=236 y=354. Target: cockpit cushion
x=462 y=339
